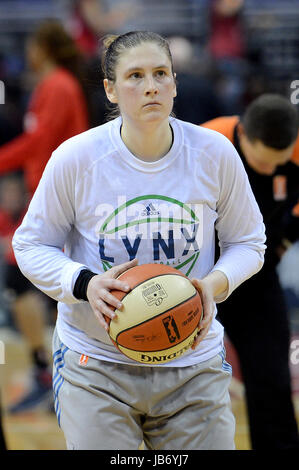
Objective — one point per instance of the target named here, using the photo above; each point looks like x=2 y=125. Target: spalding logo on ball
x=160 y=315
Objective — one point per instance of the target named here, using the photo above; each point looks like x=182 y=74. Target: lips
x=152 y=103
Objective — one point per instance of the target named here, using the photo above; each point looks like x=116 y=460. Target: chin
x=267 y=172
x=154 y=116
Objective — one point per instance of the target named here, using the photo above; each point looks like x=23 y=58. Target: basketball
x=160 y=315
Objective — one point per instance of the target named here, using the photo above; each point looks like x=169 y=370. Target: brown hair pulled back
x=59 y=46
x=114 y=46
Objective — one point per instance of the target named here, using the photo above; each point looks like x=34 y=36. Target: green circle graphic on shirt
x=187 y=218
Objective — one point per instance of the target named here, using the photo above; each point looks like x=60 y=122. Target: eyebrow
x=132 y=69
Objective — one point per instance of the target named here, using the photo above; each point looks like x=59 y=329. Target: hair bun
x=108 y=40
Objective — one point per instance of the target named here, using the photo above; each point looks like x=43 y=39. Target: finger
x=196 y=284
x=100 y=308
x=195 y=342
x=203 y=326
x=205 y=321
x=121 y=268
x=115 y=284
x=199 y=337
x=101 y=320
x=104 y=309
x=111 y=300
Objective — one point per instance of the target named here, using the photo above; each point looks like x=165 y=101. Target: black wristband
x=80 y=287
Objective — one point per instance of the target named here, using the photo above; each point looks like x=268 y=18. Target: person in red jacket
x=58 y=110
x=58 y=107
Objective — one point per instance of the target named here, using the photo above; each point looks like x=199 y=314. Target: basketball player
x=255 y=317
x=132 y=168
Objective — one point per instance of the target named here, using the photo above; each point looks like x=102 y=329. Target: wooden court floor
x=38 y=429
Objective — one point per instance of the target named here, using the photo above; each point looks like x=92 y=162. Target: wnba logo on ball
x=171 y=328
x=169 y=229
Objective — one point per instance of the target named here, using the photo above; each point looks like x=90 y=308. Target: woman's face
x=144 y=88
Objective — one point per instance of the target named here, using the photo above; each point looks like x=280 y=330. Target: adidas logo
x=150 y=210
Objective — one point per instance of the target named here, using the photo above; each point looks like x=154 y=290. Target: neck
x=252 y=163
x=242 y=147
x=148 y=144
x=46 y=69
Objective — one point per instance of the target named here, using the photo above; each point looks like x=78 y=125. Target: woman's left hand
x=207 y=298
x=210 y=287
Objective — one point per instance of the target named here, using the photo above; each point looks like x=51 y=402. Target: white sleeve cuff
x=238 y=269
x=226 y=294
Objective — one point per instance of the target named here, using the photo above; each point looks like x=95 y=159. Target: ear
x=110 y=90
x=174 y=86
x=241 y=130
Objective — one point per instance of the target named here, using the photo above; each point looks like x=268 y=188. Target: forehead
x=147 y=54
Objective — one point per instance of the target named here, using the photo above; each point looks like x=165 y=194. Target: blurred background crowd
x=226 y=53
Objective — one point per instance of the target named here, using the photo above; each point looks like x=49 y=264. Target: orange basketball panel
x=143 y=272
x=165 y=330
x=138 y=274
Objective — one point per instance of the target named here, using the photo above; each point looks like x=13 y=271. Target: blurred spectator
x=256 y=317
x=87 y=22
x=26 y=303
x=227 y=48
x=58 y=108
x=227 y=35
x=90 y=21
x=196 y=100
x=57 y=111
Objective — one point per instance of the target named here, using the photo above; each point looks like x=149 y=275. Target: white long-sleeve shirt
x=98 y=206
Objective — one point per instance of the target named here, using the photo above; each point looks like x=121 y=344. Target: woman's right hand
x=98 y=293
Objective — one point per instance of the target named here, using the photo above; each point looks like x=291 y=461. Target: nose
x=150 y=86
